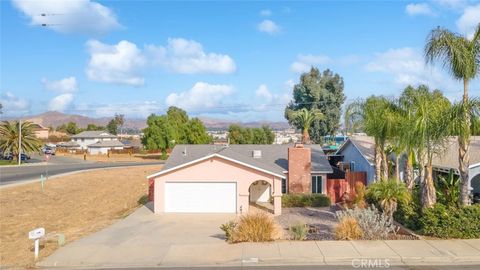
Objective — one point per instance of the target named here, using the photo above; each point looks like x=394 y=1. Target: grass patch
x=4 y=162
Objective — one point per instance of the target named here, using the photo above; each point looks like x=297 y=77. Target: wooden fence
x=337 y=188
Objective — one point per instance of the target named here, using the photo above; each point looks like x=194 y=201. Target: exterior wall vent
x=257 y=153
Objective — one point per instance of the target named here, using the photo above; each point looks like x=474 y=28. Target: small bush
x=387 y=194
x=451 y=222
x=299 y=232
x=258 y=227
x=305 y=200
x=375 y=225
x=348 y=229
x=143 y=200
x=228 y=229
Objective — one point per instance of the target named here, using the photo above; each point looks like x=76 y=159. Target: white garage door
x=203 y=197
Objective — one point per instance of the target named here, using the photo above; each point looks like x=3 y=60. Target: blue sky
x=230 y=60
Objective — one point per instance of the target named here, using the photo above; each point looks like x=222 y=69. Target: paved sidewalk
x=147 y=240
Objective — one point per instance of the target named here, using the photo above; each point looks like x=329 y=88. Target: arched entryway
x=260 y=195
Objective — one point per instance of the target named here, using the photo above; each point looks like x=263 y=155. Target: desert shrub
x=375 y=225
x=299 y=231
x=387 y=194
x=359 y=199
x=305 y=200
x=348 y=229
x=451 y=222
x=228 y=229
x=257 y=227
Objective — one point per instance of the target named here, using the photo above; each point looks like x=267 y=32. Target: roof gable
x=365 y=145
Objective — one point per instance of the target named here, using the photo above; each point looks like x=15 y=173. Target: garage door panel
x=200 y=197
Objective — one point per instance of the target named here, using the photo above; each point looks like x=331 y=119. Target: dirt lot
x=74 y=205
x=116 y=157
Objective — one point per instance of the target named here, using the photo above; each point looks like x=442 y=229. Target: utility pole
x=20 y=141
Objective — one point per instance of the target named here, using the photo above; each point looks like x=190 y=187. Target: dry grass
x=348 y=229
x=74 y=205
x=256 y=227
x=116 y=157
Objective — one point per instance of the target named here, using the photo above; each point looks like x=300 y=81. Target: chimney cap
x=298 y=145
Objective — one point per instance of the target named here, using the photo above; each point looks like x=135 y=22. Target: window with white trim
x=317 y=184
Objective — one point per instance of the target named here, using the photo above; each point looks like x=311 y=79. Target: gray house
x=449 y=161
x=359 y=154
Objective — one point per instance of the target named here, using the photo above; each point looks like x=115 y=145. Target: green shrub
x=387 y=194
x=299 y=232
x=451 y=222
x=305 y=200
x=408 y=214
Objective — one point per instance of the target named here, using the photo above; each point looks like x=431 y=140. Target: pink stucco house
x=228 y=179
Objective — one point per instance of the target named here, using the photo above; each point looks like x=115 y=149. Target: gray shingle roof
x=449 y=158
x=69 y=144
x=110 y=143
x=274 y=156
x=364 y=144
x=94 y=134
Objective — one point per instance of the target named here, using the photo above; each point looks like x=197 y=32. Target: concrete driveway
x=143 y=239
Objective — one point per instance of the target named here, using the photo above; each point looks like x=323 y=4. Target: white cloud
x=266 y=13
x=264 y=93
x=65 y=85
x=268 y=26
x=119 y=63
x=124 y=62
x=305 y=61
x=289 y=84
x=407 y=66
x=188 y=57
x=72 y=16
x=452 y=4
x=130 y=110
x=61 y=102
x=13 y=104
x=469 y=20
x=419 y=9
x=201 y=96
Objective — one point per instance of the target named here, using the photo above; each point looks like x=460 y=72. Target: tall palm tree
x=379 y=122
x=353 y=117
x=306 y=117
x=429 y=125
x=9 y=133
x=461 y=56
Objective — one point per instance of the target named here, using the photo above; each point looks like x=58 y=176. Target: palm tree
x=429 y=126
x=461 y=56
x=353 y=117
x=9 y=138
x=379 y=122
x=388 y=194
x=306 y=117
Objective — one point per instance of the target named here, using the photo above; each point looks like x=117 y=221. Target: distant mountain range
x=55 y=119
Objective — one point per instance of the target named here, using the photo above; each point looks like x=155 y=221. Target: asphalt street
x=316 y=267
x=56 y=166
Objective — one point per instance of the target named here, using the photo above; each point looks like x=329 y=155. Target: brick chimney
x=299 y=168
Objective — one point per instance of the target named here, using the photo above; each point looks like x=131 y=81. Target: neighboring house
x=359 y=155
x=227 y=179
x=41 y=132
x=449 y=160
x=96 y=142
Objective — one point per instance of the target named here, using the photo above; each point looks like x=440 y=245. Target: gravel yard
x=321 y=221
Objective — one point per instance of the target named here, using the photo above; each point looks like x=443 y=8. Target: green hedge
x=304 y=200
x=441 y=221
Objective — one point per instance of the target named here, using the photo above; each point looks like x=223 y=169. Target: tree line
x=243 y=135
x=113 y=126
